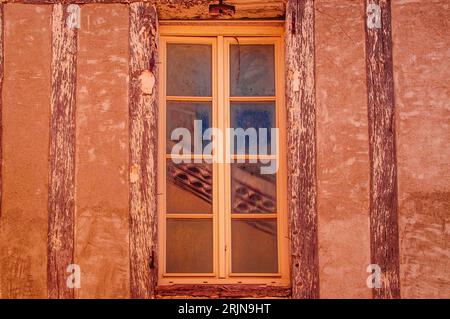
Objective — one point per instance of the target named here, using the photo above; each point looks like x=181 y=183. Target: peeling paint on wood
x=301 y=141
x=193 y=9
x=382 y=151
x=61 y=205
x=143 y=150
x=244 y=9
x=223 y=291
x=1 y=101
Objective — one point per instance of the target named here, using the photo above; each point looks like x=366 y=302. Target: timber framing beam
x=223 y=291
x=184 y=3
x=301 y=140
x=1 y=103
x=61 y=202
x=384 y=241
x=69 y=1
x=143 y=108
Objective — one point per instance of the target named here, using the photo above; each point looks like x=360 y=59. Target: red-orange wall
x=101 y=188
x=26 y=118
x=422 y=94
x=342 y=149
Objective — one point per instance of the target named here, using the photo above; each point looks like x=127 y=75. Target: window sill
x=222 y=291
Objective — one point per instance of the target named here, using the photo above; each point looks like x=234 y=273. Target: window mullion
x=222 y=199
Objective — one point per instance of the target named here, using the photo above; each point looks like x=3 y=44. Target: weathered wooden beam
x=71 y=1
x=1 y=104
x=184 y=3
x=382 y=150
x=223 y=291
x=61 y=204
x=143 y=104
x=301 y=140
x=190 y=9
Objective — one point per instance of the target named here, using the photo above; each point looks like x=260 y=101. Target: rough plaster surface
x=421 y=55
x=343 y=150
x=26 y=116
x=102 y=248
x=245 y=9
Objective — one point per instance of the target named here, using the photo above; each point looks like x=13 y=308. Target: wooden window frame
x=220 y=35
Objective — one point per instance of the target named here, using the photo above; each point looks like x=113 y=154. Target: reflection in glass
x=189 y=246
x=252 y=70
x=188 y=188
x=254 y=246
x=189 y=70
x=184 y=115
x=251 y=191
x=247 y=118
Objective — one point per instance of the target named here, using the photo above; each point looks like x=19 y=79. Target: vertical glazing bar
x=221 y=124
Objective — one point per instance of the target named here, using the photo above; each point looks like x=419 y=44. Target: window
x=222 y=211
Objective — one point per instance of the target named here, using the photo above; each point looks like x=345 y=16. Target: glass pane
x=253 y=191
x=250 y=119
x=188 y=188
x=189 y=245
x=183 y=115
x=254 y=246
x=189 y=70
x=252 y=70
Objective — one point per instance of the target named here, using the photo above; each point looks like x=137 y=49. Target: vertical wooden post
x=1 y=105
x=143 y=106
x=61 y=204
x=301 y=139
x=382 y=150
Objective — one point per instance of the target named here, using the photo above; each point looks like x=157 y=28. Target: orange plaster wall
x=421 y=55
x=102 y=246
x=342 y=149
x=26 y=118
x=421 y=68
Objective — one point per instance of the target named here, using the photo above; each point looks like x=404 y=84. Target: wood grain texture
x=223 y=291
x=384 y=244
x=244 y=9
x=61 y=204
x=85 y=1
x=193 y=9
x=1 y=101
x=143 y=108
x=301 y=141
